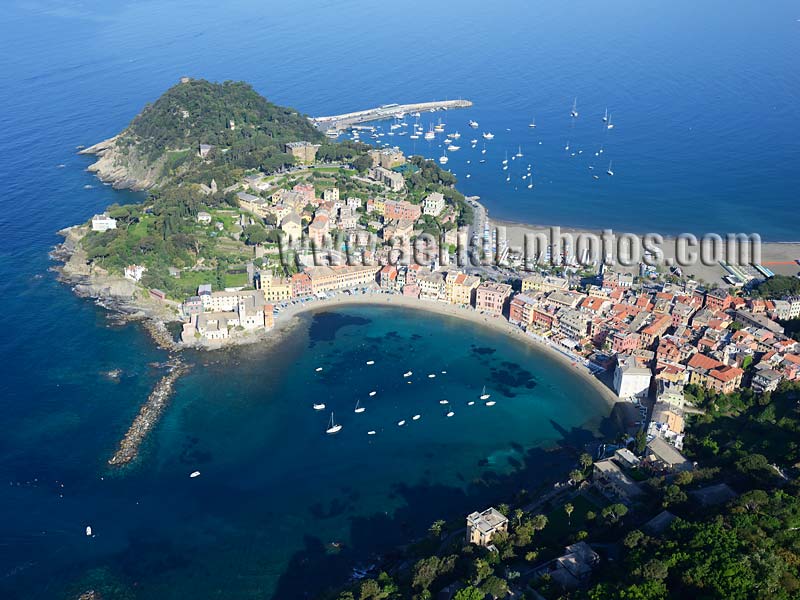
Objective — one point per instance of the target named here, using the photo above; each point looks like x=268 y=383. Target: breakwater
x=148 y=415
x=386 y=111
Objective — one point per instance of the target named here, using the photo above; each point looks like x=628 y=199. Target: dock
x=385 y=111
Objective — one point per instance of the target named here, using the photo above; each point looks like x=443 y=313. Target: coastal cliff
x=123 y=166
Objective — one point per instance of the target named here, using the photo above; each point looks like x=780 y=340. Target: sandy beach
x=779 y=257
x=285 y=321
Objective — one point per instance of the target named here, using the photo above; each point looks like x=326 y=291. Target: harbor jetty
x=385 y=111
x=148 y=415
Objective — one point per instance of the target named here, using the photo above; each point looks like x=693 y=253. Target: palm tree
x=518 y=514
x=585 y=460
x=539 y=522
x=568 y=508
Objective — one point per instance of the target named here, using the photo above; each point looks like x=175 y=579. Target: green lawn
x=559 y=526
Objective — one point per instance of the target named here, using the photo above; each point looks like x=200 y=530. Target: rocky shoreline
x=148 y=416
x=124 y=171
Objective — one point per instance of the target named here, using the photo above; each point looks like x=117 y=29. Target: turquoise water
x=275 y=490
x=704 y=100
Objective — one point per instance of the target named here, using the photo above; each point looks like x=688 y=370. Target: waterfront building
x=305 y=152
x=324 y=279
x=492 y=297
x=521 y=310
x=387 y=278
x=103 y=222
x=432 y=286
x=433 y=204
x=460 y=288
x=482 y=526
x=630 y=379
x=574 y=324
x=301 y=285
x=275 y=289
x=662 y=455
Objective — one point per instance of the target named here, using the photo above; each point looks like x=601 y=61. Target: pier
x=385 y=111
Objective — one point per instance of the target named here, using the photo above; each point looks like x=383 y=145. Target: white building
x=103 y=223
x=433 y=204
x=204 y=218
x=631 y=380
x=134 y=272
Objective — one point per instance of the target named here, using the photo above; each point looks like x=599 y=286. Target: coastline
x=287 y=320
x=771 y=252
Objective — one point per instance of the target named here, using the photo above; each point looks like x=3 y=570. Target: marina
x=385 y=111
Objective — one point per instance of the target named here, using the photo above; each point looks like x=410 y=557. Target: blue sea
x=703 y=96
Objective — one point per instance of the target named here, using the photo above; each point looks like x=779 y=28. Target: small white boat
x=319 y=406
x=484 y=395
x=491 y=403
x=471 y=403
x=359 y=409
x=370 y=362
x=574 y=112
x=519 y=152
x=567 y=146
x=453 y=148
x=474 y=142
x=371 y=432
x=456 y=135
x=194 y=474
x=532 y=124
x=414 y=136
x=444 y=372
x=408 y=374
x=443 y=158
x=432 y=375
x=530 y=185
x=401 y=423
x=605 y=117
x=450 y=414
x=443 y=402
x=487 y=135
x=609 y=171
x=333 y=427
x=318 y=369
x=416 y=417
x=505 y=160
x=88 y=530
x=372 y=393
x=610 y=124
x=473 y=124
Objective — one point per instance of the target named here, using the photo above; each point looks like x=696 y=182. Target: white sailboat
x=484 y=395
x=487 y=135
x=567 y=146
x=319 y=406
x=610 y=124
x=453 y=148
x=372 y=393
x=89 y=530
x=443 y=402
x=318 y=369
x=359 y=409
x=370 y=362
x=473 y=124
x=333 y=427
x=371 y=432
x=471 y=403
x=605 y=117
x=401 y=423
x=456 y=135
x=450 y=414
x=443 y=158
x=532 y=124
x=491 y=403
x=408 y=374
x=416 y=417
x=610 y=172
x=483 y=151
x=505 y=160
x=194 y=474
x=574 y=112
x=519 y=152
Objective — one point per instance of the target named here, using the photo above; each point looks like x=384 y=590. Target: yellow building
x=275 y=289
x=305 y=152
x=324 y=279
x=460 y=287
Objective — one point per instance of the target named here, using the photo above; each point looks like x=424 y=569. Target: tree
x=481 y=569
x=254 y=235
x=673 y=495
x=436 y=528
x=469 y=593
x=428 y=569
x=640 y=442
x=614 y=512
x=518 y=514
x=495 y=587
x=585 y=461
x=577 y=475
x=539 y=522
x=568 y=508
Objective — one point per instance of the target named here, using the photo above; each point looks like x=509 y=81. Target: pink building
x=492 y=297
x=400 y=209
